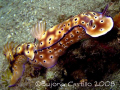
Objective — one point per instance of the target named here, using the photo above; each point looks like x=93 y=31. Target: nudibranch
x=16 y=61
x=54 y=42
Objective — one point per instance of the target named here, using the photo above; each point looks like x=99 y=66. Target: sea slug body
x=57 y=39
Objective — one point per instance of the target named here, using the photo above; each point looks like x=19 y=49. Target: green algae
x=5 y=77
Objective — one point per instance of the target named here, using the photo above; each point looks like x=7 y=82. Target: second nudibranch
x=54 y=42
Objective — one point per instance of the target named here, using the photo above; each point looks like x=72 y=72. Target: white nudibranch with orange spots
x=57 y=39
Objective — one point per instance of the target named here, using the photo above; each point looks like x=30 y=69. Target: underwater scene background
x=92 y=63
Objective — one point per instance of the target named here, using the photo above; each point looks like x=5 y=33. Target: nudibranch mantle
x=93 y=23
x=18 y=69
x=57 y=39
x=100 y=24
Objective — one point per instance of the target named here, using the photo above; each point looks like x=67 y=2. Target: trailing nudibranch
x=17 y=59
x=54 y=41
